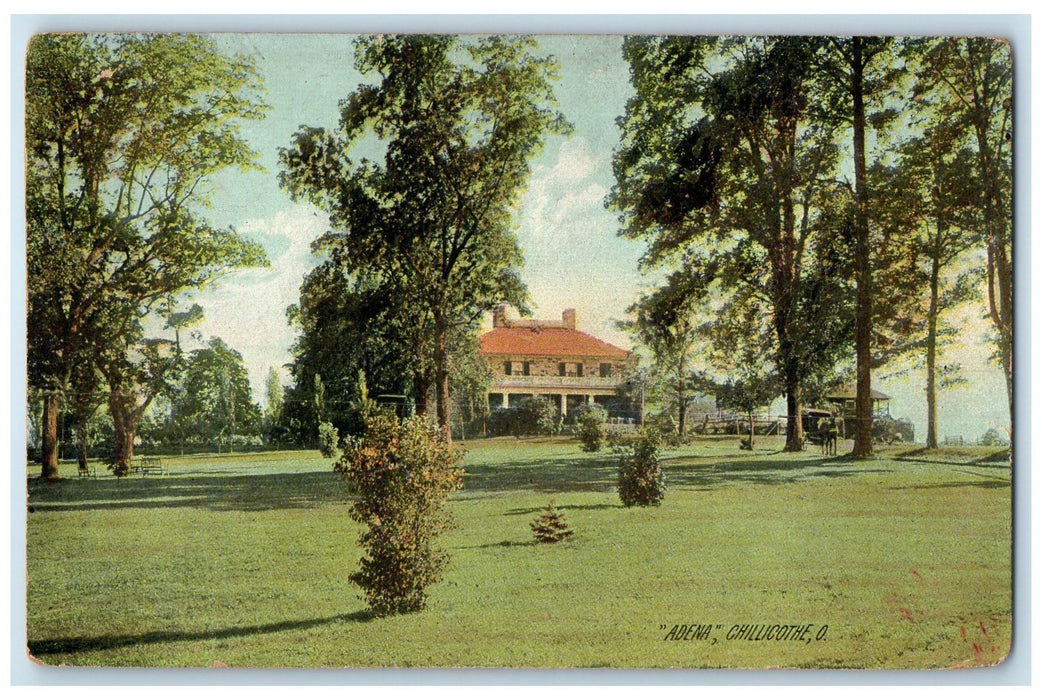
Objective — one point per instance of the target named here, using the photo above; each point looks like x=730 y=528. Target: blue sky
x=573 y=256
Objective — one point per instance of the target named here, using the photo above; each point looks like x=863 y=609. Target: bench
x=86 y=472
x=149 y=465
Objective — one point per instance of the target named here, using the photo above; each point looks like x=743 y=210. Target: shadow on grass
x=73 y=645
x=220 y=490
x=504 y=543
x=564 y=508
x=995 y=459
x=600 y=473
x=207 y=490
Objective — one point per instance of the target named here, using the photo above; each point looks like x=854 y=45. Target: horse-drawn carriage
x=822 y=427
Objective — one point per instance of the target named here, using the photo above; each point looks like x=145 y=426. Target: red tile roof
x=548 y=342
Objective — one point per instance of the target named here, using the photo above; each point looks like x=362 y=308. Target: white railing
x=515 y=381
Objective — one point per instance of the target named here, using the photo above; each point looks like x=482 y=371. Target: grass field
x=897 y=562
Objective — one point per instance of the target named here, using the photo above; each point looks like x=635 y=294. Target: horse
x=828 y=431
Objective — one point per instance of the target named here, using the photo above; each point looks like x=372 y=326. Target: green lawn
x=243 y=561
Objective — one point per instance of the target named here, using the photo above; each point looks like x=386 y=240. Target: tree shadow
x=504 y=543
x=564 y=508
x=600 y=473
x=208 y=490
x=73 y=645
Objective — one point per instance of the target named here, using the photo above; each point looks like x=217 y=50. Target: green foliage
x=966 y=86
x=328 y=439
x=401 y=473
x=214 y=402
x=108 y=238
x=728 y=148
x=461 y=119
x=349 y=326
x=550 y=526
x=537 y=416
x=590 y=426
x=640 y=475
x=993 y=437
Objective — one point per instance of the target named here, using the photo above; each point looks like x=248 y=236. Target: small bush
x=993 y=437
x=590 y=426
x=537 y=417
x=402 y=474
x=328 y=439
x=550 y=527
x=640 y=475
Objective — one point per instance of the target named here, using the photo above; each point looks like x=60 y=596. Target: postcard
x=519 y=351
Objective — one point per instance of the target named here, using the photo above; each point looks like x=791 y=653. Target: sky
x=573 y=255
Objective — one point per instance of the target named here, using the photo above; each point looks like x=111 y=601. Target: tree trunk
x=752 y=430
x=794 y=436
x=421 y=389
x=49 y=459
x=863 y=269
x=441 y=376
x=124 y=434
x=931 y=357
x=81 y=443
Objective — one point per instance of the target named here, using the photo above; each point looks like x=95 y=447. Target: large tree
x=727 y=155
x=968 y=82
x=216 y=401
x=352 y=325
x=459 y=120
x=929 y=205
x=123 y=133
x=863 y=71
x=666 y=322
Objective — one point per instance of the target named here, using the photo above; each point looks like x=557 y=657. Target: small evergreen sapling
x=550 y=527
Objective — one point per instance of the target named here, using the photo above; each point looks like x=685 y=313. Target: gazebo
x=845 y=396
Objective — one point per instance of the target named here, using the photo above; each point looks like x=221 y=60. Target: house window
x=528 y=368
x=507 y=366
x=605 y=369
x=570 y=369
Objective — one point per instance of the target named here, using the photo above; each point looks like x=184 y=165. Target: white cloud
x=573 y=257
x=247 y=308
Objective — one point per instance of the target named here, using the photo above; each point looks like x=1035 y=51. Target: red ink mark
x=962 y=631
x=906 y=614
x=916 y=573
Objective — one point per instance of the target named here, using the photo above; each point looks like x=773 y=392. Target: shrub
x=993 y=437
x=328 y=439
x=537 y=416
x=590 y=425
x=550 y=527
x=401 y=474
x=640 y=475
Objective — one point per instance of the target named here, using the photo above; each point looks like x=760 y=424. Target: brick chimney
x=499 y=316
x=568 y=318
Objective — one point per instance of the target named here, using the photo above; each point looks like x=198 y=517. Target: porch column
x=506 y=399
x=564 y=404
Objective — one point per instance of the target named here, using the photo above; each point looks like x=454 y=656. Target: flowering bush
x=401 y=474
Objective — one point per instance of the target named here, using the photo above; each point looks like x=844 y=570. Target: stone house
x=531 y=357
